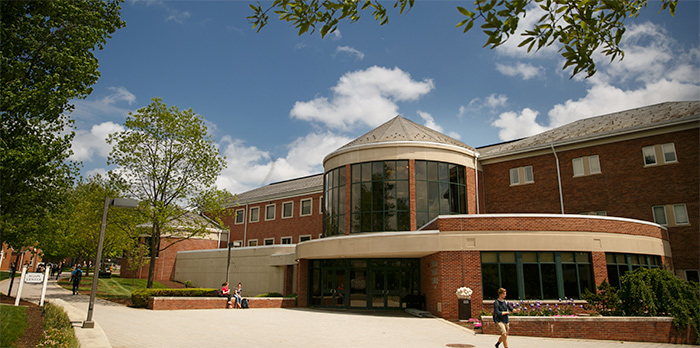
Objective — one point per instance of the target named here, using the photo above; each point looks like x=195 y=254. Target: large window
x=533 y=275
x=586 y=165
x=521 y=175
x=619 y=264
x=287 y=210
x=254 y=214
x=659 y=154
x=334 y=218
x=380 y=197
x=440 y=190
x=671 y=215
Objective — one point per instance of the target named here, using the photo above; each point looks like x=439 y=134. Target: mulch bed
x=35 y=331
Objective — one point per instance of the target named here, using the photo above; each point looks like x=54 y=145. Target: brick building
x=404 y=215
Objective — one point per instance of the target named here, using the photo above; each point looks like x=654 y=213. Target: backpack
x=244 y=303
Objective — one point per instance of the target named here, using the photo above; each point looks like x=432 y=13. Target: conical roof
x=401 y=129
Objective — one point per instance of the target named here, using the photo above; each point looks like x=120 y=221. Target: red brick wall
x=279 y=227
x=174 y=303
x=302 y=282
x=443 y=273
x=600 y=267
x=625 y=188
x=636 y=329
x=165 y=262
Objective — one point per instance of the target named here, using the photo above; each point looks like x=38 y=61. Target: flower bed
x=637 y=329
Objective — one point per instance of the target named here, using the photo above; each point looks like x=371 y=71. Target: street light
x=117 y=202
x=230 y=244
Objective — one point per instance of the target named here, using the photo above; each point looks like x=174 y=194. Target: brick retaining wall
x=637 y=329
x=173 y=303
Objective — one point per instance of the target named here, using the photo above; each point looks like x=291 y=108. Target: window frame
x=271 y=240
x=304 y=236
x=251 y=215
x=581 y=170
x=673 y=148
x=685 y=212
x=289 y=238
x=519 y=175
x=311 y=206
x=650 y=155
x=267 y=211
x=241 y=213
x=661 y=208
x=252 y=242
x=291 y=210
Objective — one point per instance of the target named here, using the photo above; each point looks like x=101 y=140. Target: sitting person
x=237 y=294
x=225 y=292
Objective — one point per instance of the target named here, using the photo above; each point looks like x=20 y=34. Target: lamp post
x=116 y=202
x=228 y=263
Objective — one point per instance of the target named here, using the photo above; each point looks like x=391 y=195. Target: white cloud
x=526 y=71
x=655 y=69
x=249 y=167
x=336 y=35
x=351 y=51
x=363 y=97
x=105 y=106
x=479 y=105
x=429 y=121
x=87 y=144
x=518 y=125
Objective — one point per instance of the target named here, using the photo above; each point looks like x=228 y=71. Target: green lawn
x=6 y=275
x=114 y=287
x=13 y=321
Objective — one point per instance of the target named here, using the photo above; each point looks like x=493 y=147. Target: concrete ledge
x=175 y=303
x=94 y=337
x=637 y=329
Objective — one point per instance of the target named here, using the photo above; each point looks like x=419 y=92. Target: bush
x=139 y=298
x=654 y=292
x=605 y=301
x=58 y=330
x=537 y=309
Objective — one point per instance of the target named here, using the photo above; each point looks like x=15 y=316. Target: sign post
x=21 y=282
x=43 y=288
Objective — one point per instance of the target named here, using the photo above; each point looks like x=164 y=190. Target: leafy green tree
x=136 y=258
x=166 y=159
x=578 y=27
x=46 y=60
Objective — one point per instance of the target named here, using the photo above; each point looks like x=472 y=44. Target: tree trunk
x=155 y=235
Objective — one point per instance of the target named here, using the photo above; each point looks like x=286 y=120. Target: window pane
x=377 y=170
x=421 y=170
x=489 y=279
x=509 y=280
x=528 y=174
x=531 y=278
x=489 y=257
x=444 y=198
x=585 y=274
x=681 y=214
x=287 y=210
x=514 y=180
x=649 y=155
x=567 y=257
x=270 y=212
x=660 y=215
x=613 y=276
x=389 y=170
x=404 y=222
x=443 y=171
x=594 y=164
x=549 y=281
x=306 y=207
x=570 y=280
x=547 y=257
x=402 y=198
x=356 y=172
x=432 y=171
x=341 y=176
x=366 y=171
x=402 y=170
x=583 y=257
x=669 y=153
x=578 y=166
x=507 y=257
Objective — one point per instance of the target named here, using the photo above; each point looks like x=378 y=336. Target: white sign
x=34 y=278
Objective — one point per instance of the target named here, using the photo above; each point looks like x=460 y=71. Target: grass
x=111 y=288
x=6 y=275
x=13 y=321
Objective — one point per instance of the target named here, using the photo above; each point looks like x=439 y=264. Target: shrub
x=139 y=298
x=605 y=301
x=652 y=292
x=537 y=309
x=58 y=330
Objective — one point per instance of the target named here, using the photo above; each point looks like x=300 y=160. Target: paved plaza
x=118 y=326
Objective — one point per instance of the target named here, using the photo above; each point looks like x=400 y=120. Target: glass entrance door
x=333 y=287
x=385 y=285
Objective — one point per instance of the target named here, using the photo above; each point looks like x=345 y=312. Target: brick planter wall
x=637 y=329
x=174 y=303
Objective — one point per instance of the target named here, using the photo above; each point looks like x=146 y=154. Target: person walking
x=75 y=279
x=501 y=310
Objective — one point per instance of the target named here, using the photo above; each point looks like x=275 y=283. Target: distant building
x=404 y=215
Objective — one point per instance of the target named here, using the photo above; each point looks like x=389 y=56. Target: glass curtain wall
x=380 y=197
x=440 y=190
x=536 y=275
x=334 y=201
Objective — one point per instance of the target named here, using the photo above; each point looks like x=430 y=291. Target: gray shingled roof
x=401 y=129
x=601 y=126
x=293 y=187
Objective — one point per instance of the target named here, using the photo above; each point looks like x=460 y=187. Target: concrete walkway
x=123 y=327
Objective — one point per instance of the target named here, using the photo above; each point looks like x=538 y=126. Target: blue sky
x=277 y=103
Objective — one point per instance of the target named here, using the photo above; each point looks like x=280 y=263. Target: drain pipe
x=476 y=177
x=561 y=197
x=245 y=227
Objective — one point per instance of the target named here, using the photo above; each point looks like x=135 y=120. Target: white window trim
x=240 y=243
x=644 y=156
x=251 y=214
x=251 y=241
x=269 y=239
x=274 y=211
x=291 y=240
x=586 y=165
x=578 y=160
x=663 y=153
x=520 y=176
x=304 y=235
x=675 y=220
x=514 y=176
x=241 y=213
x=292 y=211
x=301 y=206
x=590 y=165
x=320 y=205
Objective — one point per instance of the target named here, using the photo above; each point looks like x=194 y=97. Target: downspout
x=476 y=177
x=561 y=196
x=245 y=227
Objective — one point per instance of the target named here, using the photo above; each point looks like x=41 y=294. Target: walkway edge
x=88 y=338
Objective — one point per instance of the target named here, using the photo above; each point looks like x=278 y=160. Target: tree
x=168 y=161
x=578 y=27
x=47 y=60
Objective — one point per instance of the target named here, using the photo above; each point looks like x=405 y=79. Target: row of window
x=305 y=209
x=589 y=165
x=666 y=215
x=271 y=241
x=547 y=275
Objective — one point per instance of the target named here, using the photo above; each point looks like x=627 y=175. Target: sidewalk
x=122 y=327
x=75 y=306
